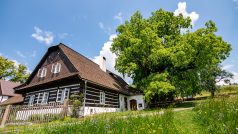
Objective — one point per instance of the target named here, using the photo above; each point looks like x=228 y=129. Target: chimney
x=103 y=64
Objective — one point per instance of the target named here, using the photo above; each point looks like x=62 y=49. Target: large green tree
x=163 y=54
x=8 y=70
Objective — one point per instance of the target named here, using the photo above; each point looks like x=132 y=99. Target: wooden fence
x=21 y=114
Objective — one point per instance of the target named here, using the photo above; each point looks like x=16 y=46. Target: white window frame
x=42 y=98
x=55 y=68
x=39 y=100
x=102 y=97
x=42 y=72
x=62 y=94
x=45 y=98
x=31 y=100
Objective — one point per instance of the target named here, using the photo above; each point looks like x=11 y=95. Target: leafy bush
x=44 y=117
x=218 y=116
x=76 y=101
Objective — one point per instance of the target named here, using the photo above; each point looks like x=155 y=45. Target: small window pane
x=45 y=98
x=31 y=100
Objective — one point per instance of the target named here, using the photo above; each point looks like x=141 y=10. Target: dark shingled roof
x=6 y=87
x=90 y=71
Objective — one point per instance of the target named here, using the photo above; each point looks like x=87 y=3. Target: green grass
x=218 y=116
x=215 y=116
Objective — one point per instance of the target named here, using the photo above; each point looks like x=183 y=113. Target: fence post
x=5 y=116
x=65 y=107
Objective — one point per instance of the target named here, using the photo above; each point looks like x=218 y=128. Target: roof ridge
x=79 y=54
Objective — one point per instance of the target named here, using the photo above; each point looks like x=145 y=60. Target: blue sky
x=29 y=27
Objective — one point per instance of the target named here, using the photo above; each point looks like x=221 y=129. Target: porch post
x=65 y=107
x=84 y=98
x=5 y=116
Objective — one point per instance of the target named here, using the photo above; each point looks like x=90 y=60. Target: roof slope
x=91 y=71
x=6 y=87
x=13 y=100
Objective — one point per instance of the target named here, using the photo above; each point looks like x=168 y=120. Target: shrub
x=76 y=101
x=218 y=115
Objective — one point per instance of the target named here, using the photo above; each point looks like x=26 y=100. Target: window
x=42 y=98
x=62 y=95
x=55 y=68
x=42 y=72
x=102 y=98
x=45 y=98
x=31 y=100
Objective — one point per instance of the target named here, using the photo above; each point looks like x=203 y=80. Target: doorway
x=133 y=104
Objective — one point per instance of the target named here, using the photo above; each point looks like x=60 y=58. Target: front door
x=133 y=104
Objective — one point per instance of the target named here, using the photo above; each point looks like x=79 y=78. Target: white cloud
x=63 y=35
x=21 y=54
x=100 y=24
x=43 y=36
x=106 y=30
x=119 y=17
x=110 y=57
x=26 y=55
x=236 y=2
x=227 y=67
x=33 y=54
x=182 y=10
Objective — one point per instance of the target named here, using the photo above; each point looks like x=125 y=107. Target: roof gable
x=81 y=66
x=6 y=87
x=53 y=55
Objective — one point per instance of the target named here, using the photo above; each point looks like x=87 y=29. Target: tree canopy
x=164 y=54
x=9 y=71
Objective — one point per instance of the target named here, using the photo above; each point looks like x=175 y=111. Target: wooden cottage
x=63 y=72
x=6 y=90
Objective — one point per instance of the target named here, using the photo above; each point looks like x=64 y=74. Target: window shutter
x=53 y=68
x=59 y=95
x=39 y=73
x=58 y=67
x=45 y=71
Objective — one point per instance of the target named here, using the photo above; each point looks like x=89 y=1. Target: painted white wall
x=122 y=104
x=139 y=99
x=3 y=98
x=96 y=110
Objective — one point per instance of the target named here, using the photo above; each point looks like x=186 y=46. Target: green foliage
x=9 y=71
x=44 y=117
x=162 y=53
x=76 y=101
x=218 y=116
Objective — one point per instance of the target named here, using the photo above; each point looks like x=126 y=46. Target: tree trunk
x=212 y=93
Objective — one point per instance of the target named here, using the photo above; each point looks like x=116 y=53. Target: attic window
x=55 y=68
x=42 y=72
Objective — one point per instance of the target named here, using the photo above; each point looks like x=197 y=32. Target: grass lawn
x=151 y=123
x=218 y=116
